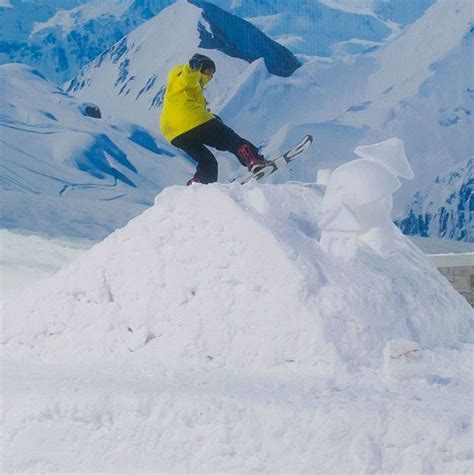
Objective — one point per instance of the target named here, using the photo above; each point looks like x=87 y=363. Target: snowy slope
x=436 y=123
x=229 y=341
x=312 y=27
x=59 y=43
x=17 y=19
x=129 y=79
x=377 y=96
x=66 y=174
x=384 y=91
x=418 y=87
x=415 y=56
x=329 y=27
x=446 y=208
x=421 y=94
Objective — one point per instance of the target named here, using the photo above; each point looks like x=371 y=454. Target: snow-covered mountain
x=64 y=173
x=424 y=95
x=129 y=79
x=59 y=42
x=421 y=94
x=17 y=19
x=59 y=45
x=383 y=98
x=329 y=27
x=446 y=208
x=417 y=87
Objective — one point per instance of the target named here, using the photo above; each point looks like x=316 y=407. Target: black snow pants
x=215 y=134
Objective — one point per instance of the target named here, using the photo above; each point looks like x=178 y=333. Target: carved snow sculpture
x=391 y=153
x=358 y=199
x=341 y=231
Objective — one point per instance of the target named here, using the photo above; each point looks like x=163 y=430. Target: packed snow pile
x=235 y=275
x=214 y=334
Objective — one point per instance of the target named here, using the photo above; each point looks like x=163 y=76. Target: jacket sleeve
x=189 y=77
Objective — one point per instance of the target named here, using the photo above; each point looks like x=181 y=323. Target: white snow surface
x=26 y=259
x=213 y=334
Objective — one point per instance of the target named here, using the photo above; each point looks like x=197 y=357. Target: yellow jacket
x=184 y=105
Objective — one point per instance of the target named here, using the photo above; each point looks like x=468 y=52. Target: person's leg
x=206 y=171
x=216 y=134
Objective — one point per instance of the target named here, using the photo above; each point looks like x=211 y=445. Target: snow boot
x=193 y=180
x=249 y=157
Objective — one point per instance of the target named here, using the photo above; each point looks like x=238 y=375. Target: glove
x=195 y=64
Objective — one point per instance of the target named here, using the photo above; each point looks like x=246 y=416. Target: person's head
x=204 y=64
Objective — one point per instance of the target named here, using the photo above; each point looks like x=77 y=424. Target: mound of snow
x=213 y=334
x=235 y=275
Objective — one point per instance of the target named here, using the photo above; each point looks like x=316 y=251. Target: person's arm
x=190 y=77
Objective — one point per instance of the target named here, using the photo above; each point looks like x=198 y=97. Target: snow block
x=234 y=276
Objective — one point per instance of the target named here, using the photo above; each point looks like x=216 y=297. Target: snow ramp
x=234 y=276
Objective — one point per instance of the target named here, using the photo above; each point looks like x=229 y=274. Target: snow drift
x=235 y=275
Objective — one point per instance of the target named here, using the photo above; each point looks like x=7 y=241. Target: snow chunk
x=402 y=359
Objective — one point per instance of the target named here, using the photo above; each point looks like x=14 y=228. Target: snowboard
x=279 y=162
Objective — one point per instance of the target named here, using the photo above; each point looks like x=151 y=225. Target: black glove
x=195 y=63
x=200 y=62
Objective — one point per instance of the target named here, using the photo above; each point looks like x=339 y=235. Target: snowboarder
x=187 y=123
